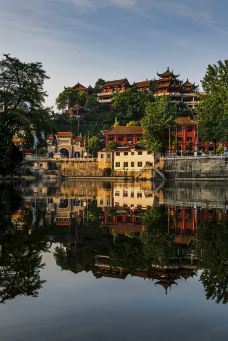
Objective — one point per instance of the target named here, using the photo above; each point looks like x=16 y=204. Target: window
x=149 y=153
x=125 y=164
x=108 y=156
x=140 y=153
x=132 y=194
x=125 y=153
x=139 y=194
x=117 y=164
x=132 y=164
x=125 y=194
x=132 y=153
x=117 y=194
x=102 y=156
x=139 y=164
x=117 y=153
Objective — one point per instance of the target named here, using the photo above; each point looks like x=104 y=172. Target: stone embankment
x=198 y=168
x=178 y=168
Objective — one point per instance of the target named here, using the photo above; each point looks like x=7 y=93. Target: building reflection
x=120 y=229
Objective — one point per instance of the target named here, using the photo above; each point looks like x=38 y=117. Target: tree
x=111 y=145
x=99 y=83
x=69 y=97
x=158 y=122
x=93 y=144
x=213 y=107
x=131 y=104
x=21 y=98
x=92 y=105
x=132 y=124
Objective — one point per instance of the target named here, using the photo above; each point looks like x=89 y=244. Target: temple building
x=110 y=88
x=169 y=84
x=79 y=88
x=145 y=86
x=185 y=134
x=77 y=111
x=65 y=145
x=123 y=135
x=189 y=94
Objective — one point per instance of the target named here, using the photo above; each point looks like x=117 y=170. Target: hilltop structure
x=168 y=84
x=110 y=88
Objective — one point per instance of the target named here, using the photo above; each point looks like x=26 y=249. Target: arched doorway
x=64 y=153
x=77 y=155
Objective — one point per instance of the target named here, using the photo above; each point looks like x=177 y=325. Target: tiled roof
x=64 y=133
x=185 y=121
x=123 y=130
x=116 y=82
x=167 y=73
x=80 y=86
x=143 y=84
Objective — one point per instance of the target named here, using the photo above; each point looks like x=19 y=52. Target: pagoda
x=190 y=94
x=168 y=84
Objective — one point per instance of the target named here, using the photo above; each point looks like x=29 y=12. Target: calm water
x=92 y=260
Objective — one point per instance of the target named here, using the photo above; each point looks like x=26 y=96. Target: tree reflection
x=20 y=258
x=212 y=249
x=156 y=239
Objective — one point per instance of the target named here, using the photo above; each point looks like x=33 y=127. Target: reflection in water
x=115 y=229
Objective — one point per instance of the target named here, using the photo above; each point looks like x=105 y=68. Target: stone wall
x=79 y=168
x=195 y=167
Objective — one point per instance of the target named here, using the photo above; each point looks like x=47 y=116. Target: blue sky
x=82 y=40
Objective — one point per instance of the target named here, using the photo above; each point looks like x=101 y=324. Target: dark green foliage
x=21 y=99
x=69 y=97
x=213 y=108
x=99 y=83
x=212 y=250
x=130 y=104
x=158 y=122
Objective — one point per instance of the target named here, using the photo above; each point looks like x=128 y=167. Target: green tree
x=92 y=105
x=93 y=144
x=99 y=83
x=131 y=104
x=158 y=122
x=69 y=97
x=213 y=107
x=111 y=145
x=21 y=101
x=132 y=124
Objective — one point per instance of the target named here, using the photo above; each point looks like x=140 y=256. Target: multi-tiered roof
x=167 y=83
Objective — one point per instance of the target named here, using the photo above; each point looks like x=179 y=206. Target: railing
x=43 y=158
x=178 y=157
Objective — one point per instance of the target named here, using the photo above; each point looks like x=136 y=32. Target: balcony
x=107 y=100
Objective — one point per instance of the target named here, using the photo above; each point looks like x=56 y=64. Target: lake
x=108 y=260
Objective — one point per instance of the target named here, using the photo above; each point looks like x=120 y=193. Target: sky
x=83 y=40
